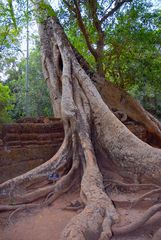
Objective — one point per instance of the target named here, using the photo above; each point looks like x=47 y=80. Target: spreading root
x=139 y=223
x=98 y=218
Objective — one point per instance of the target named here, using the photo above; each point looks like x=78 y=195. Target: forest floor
x=48 y=223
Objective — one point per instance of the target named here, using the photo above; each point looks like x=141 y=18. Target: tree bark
x=114 y=97
x=117 y=98
x=50 y=62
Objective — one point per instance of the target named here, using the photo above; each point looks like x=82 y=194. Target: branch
x=108 y=7
x=118 y=4
x=97 y=24
x=93 y=9
x=2 y=45
x=83 y=29
x=70 y=6
x=12 y=13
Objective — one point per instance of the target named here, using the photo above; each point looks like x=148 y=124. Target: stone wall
x=25 y=145
x=30 y=142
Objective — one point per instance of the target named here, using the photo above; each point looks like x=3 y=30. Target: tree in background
x=39 y=101
x=8 y=26
x=13 y=16
x=5 y=103
x=134 y=55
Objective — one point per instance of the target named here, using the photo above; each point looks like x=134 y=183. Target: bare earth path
x=45 y=224
x=48 y=223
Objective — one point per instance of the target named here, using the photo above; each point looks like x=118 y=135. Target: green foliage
x=10 y=24
x=149 y=97
x=39 y=100
x=13 y=19
x=77 y=39
x=132 y=49
x=44 y=6
x=5 y=104
x=43 y=11
x=133 y=55
x=11 y=11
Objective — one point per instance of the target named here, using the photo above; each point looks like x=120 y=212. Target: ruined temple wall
x=30 y=142
x=26 y=145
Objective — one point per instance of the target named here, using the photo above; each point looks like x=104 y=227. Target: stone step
x=38 y=120
x=33 y=142
x=37 y=128
x=33 y=136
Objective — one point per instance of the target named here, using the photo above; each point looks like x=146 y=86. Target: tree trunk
x=113 y=96
x=118 y=99
x=90 y=128
x=50 y=62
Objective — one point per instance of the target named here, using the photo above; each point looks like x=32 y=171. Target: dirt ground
x=48 y=223
x=44 y=224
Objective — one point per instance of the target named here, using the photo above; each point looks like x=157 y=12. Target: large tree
x=91 y=19
x=96 y=146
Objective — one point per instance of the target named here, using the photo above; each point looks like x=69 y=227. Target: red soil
x=44 y=224
x=48 y=223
